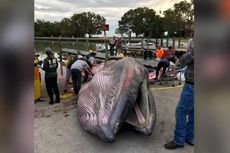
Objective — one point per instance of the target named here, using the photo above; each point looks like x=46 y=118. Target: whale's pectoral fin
x=143 y=115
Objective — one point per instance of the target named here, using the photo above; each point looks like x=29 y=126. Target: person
x=70 y=61
x=50 y=67
x=184 y=129
x=88 y=55
x=37 y=79
x=159 y=52
x=146 y=49
x=77 y=68
x=118 y=44
x=91 y=60
x=112 y=43
x=170 y=54
x=162 y=63
x=120 y=54
x=191 y=40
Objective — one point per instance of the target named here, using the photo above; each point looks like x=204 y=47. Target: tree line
x=77 y=25
x=142 y=21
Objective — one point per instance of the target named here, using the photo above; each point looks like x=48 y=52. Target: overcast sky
x=111 y=10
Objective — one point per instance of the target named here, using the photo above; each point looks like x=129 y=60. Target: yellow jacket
x=120 y=55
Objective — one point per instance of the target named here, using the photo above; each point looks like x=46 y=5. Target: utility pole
x=106 y=45
x=106 y=28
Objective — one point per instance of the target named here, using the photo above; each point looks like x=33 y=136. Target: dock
x=101 y=56
x=139 y=50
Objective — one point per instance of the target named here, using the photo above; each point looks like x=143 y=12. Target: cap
x=90 y=51
x=48 y=50
x=94 y=52
x=79 y=57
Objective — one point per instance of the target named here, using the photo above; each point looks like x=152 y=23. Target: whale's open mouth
x=143 y=115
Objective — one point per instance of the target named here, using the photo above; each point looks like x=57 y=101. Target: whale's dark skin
x=117 y=93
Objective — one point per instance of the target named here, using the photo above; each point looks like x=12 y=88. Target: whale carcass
x=117 y=93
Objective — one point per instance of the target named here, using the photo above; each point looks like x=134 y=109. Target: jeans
x=76 y=77
x=68 y=74
x=184 y=129
x=162 y=63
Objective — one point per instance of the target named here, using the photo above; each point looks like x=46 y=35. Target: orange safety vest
x=159 y=53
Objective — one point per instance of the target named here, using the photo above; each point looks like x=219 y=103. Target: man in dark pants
x=162 y=63
x=76 y=69
x=50 y=67
x=112 y=43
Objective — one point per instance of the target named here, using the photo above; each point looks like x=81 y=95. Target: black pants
x=161 y=64
x=172 y=60
x=52 y=87
x=76 y=77
x=112 y=49
x=148 y=53
x=145 y=54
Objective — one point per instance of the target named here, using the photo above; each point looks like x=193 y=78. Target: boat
x=140 y=45
x=101 y=48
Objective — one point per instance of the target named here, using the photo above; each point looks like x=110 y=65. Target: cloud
x=55 y=10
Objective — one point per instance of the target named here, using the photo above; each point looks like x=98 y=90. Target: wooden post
x=129 y=37
x=179 y=42
x=106 y=45
x=60 y=56
x=167 y=41
x=173 y=43
x=161 y=41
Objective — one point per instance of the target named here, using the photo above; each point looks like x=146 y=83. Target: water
x=56 y=46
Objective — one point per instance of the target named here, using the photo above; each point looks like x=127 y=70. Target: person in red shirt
x=170 y=54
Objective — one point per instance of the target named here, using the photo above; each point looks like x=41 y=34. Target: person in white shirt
x=76 y=69
x=191 y=42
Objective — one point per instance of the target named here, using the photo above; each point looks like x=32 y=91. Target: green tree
x=56 y=29
x=172 y=22
x=185 y=11
x=120 y=31
x=180 y=18
x=78 y=25
x=87 y=22
x=43 y=28
x=141 y=20
x=65 y=27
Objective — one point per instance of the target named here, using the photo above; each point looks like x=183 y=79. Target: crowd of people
x=115 y=45
x=75 y=66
